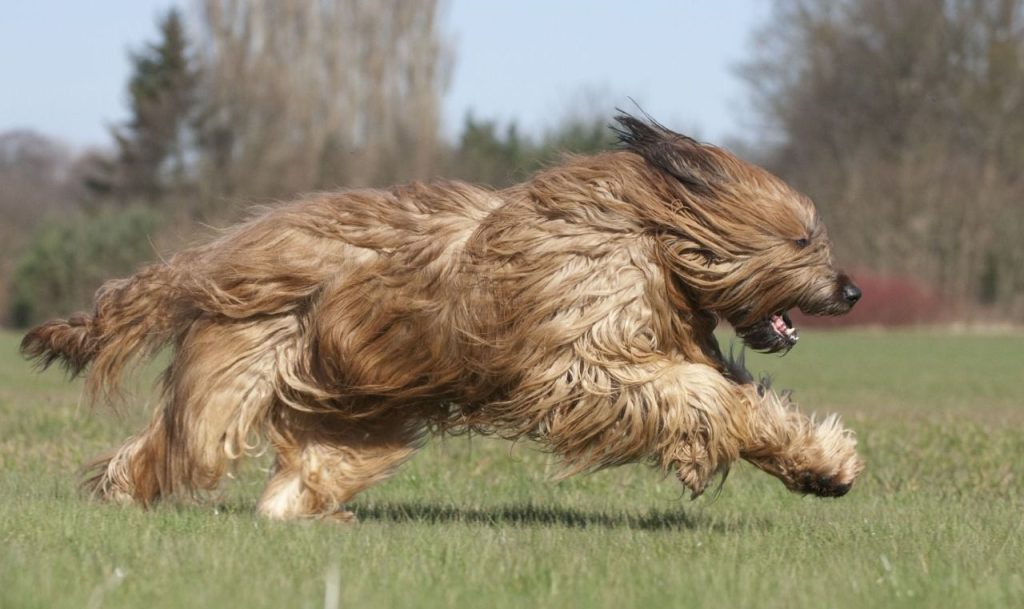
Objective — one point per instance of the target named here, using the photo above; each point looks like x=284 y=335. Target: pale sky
x=63 y=63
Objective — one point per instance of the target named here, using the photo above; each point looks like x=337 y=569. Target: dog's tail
x=242 y=275
x=133 y=318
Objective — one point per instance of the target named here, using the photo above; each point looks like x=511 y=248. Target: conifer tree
x=152 y=145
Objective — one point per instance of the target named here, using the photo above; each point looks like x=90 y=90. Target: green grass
x=935 y=521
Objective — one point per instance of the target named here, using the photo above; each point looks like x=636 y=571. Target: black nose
x=851 y=293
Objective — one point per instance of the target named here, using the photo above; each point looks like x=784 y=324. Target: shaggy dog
x=576 y=308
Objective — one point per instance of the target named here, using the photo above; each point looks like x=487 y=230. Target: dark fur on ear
x=682 y=157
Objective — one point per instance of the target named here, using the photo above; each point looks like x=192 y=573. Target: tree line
x=904 y=121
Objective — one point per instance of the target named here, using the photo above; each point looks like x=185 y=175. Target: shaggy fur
x=576 y=308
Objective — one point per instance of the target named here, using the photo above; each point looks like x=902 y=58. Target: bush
x=69 y=257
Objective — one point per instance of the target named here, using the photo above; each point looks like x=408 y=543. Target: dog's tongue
x=779 y=324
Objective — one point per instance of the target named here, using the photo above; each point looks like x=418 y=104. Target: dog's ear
x=682 y=157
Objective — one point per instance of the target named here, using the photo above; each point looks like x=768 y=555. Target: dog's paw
x=691 y=479
x=342 y=516
x=828 y=464
x=832 y=482
x=822 y=485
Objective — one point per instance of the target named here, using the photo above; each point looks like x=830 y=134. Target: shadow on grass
x=534 y=515
x=526 y=514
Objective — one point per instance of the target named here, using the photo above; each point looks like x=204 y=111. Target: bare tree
x=33 y=170
x=905 y=121
x=305 y=94
x=33 y=184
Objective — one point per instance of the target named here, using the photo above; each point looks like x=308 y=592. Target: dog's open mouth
x=774 y=334
x=783 y=326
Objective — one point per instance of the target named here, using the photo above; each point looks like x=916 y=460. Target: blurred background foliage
x=904 y=121
x=68 y=257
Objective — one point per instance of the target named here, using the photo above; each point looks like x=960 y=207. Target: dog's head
x=740 y=242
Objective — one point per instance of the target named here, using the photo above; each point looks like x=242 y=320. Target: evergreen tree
x=486 y=156
x=152 y=145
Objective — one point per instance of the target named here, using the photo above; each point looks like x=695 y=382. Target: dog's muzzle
x=777 y=334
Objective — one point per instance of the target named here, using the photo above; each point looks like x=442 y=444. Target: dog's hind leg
x=323 y=461
x=133 y=473
x=809 y=457
x=217 y=393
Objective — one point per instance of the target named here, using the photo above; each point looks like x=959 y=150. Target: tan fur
x=576 y=308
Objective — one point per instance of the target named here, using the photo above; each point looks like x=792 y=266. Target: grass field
x=937 y=520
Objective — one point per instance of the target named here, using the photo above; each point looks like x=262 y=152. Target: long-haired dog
x=576 y=308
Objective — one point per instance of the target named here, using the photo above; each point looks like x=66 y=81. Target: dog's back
x=358 y=255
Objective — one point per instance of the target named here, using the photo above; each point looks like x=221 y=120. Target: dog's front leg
x=686 y=417
x=808 y=456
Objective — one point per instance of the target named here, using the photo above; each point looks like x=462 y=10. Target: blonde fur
x=576 y=308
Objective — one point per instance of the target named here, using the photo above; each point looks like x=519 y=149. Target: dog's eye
x=802 y=242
